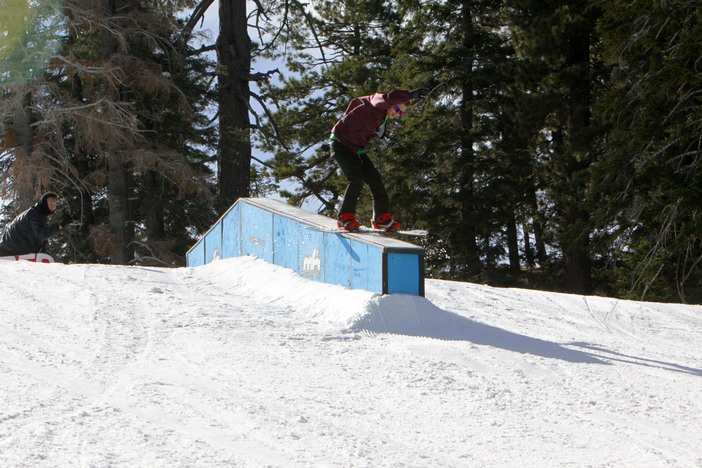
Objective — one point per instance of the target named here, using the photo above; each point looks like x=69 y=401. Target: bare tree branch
x=310 y=23
x=198 y=14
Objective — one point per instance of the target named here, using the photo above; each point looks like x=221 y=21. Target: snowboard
x=367 y=230
x=37 y=258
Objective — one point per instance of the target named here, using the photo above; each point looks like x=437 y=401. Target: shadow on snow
x=413 y=316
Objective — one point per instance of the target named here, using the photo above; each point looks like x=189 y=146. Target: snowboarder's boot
x=347 y=221
x=385 y=221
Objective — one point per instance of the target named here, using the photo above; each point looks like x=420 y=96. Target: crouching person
x=28 y=232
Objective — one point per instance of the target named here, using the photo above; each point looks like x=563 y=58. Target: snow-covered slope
x=241 y=363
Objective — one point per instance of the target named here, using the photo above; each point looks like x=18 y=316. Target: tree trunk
x=538 y=228
x=528 y=252
x=575 y=248
x=153 y=209
x=24 y=173
x=120 y=184
x=512 y=242
x=577 y=259
x=120 y=188
x=469 y=246
x=234 y=56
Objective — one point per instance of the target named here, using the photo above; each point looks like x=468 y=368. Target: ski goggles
x=399 y=111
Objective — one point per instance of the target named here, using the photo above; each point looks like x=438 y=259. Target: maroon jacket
x=364 y=116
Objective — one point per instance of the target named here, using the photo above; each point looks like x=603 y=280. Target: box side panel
x=256 y=232
x=403 y=273
x=285 y=242
x=213 y=243
x=338 y=259
x=311 y=259
x=231 y=246
x=196 y=255
x=368 y=269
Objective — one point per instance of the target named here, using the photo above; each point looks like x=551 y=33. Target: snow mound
x=336 y=305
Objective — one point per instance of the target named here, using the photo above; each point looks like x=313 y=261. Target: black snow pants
x=359 y=169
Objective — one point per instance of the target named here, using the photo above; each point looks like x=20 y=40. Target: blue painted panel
x=403 y=274
x=311 y=259
x=285 y=242
x=230 y=234
x=256 y=232
x=338 y=256
x=213 y=243
x=196 y=256
x=368 y=269
x=277 y=233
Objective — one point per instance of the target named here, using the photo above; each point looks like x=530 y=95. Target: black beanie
x=44 y=206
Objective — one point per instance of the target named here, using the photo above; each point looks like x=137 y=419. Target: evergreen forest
x=559 y=146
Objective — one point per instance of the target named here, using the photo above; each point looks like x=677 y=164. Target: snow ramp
x=296 y=239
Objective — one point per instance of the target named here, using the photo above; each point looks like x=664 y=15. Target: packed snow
x=242 y=363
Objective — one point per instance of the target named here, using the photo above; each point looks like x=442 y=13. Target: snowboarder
x=28 y=232
x=363 y=122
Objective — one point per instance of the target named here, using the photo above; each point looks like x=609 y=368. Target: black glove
x=67 y=219
x=419 y=94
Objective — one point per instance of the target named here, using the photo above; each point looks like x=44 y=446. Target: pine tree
x=559 y=38
x=446 y=160
x=31 y=33
x=234 y=71
x=118 y=115
x=650 y=176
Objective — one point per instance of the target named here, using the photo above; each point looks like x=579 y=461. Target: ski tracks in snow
x=240 y=363
x=90 y=350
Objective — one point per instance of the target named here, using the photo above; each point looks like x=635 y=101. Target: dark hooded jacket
x=28 y=232
x=364 y=116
